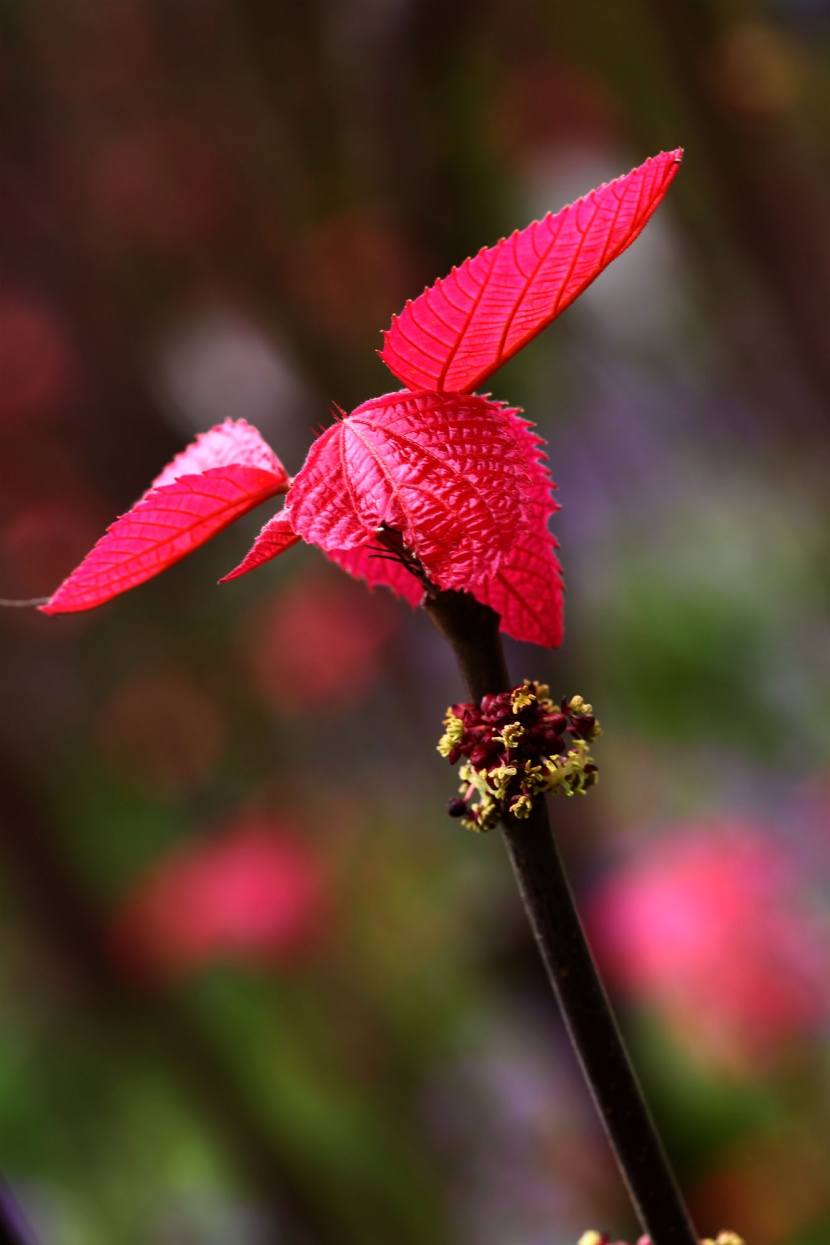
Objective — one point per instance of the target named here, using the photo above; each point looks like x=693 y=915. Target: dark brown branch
x=472 y=630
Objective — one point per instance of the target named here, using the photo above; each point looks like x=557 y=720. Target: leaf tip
x=61 y=602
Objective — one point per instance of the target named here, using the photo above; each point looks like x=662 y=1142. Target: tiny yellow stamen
x=523 y=696
x=499 y=778
x=511 y=734
x=452 y=735
x=521 y=806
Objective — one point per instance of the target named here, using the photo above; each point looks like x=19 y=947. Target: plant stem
x=472 y=631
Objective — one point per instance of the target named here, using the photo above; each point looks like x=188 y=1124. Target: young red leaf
x=526 y=590
x=276 y=536
x=459 y=331
x=222 y=476
x=446 y=471
x=231 y=443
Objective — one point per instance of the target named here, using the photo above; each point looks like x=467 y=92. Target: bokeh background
x=255 y=987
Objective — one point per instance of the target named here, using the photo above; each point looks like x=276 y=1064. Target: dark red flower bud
x=499 y=708
x=466 y=713
x=456 y=807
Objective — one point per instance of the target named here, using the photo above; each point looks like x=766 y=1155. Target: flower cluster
x=597 y=1238
x=518 y=744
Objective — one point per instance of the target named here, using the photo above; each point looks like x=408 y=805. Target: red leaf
x=227 y=472
x=232 y=443
x=458 y=332
x=446 y=471
x=527 y=588
x=276 y=536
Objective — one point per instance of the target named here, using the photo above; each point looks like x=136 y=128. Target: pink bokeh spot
x=319 y=646
x=157 y=186
x=708 y=927
x=253 y=893
x=37 y=366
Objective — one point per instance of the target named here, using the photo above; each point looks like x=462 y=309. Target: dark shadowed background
x=255 y=987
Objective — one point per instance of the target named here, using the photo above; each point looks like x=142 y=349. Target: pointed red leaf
x=276 y=536
x=231 y=443
x=527 y=588
x=459 y=331
x=223 y=475
x=446 y=471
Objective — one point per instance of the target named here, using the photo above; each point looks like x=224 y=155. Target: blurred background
x=256 y=988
